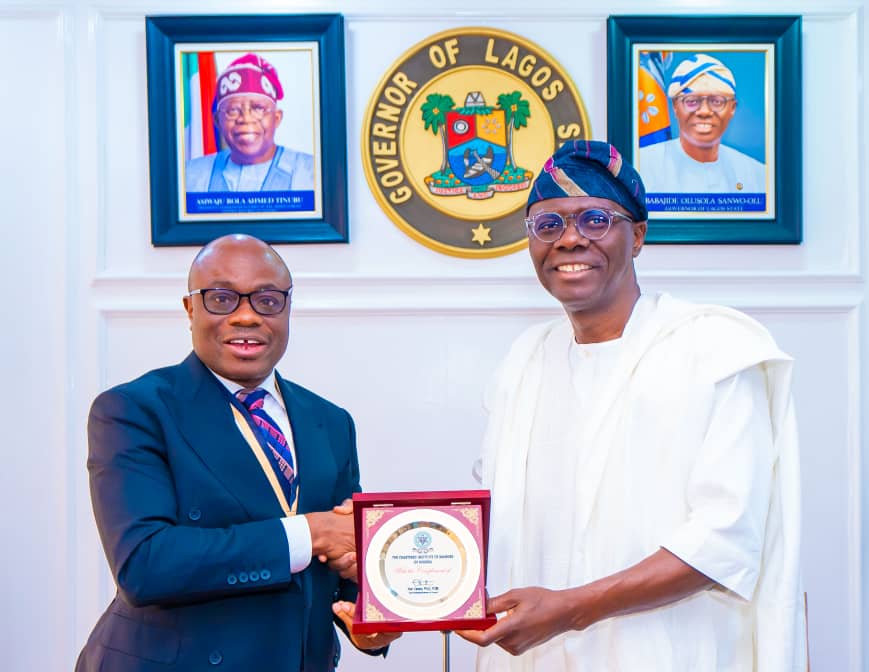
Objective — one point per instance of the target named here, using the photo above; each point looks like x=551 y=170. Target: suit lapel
x=316 y=464
x=202 y=411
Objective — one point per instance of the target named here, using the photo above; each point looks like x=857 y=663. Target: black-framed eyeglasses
x=223 y=301
x=233 y=110
x=692 y=103
x=593 y=223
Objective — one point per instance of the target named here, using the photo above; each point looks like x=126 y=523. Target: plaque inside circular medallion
x=422 y=564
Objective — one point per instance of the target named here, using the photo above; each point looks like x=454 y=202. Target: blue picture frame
x=315 y=213
x=763 y=54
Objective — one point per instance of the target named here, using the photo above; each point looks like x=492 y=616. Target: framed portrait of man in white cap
x=709 y=122
x=718 y=141
x=247 y=128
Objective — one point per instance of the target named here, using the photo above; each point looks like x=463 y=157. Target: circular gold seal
x=457 y=129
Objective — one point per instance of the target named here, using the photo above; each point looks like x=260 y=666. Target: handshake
x=333 y=540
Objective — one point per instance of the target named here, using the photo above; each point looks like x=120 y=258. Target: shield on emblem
x=477 y=146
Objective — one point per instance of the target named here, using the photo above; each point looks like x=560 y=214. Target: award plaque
x=421 y=561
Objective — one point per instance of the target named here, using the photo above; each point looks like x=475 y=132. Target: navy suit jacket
x=192 y=532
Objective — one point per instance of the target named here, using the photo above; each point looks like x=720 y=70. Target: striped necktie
x=273 y=437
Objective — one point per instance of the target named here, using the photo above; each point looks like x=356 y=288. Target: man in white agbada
x=642 y=458
x=703 y=92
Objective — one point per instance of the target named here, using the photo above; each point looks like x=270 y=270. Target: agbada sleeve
x=728 y=494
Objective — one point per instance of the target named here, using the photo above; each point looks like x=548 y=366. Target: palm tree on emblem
x=434 y=114
x=516 y=113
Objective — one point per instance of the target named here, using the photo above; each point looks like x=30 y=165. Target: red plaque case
x=421 y=559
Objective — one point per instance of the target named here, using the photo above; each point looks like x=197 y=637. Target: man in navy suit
x=229 y=543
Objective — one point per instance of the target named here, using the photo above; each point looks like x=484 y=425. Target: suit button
x=254 y=576
x=336 y=595
x=242 y=577
x=194 y=514
x=232 y=579
x=335 y=659
x=215 y=658
x=265 y=575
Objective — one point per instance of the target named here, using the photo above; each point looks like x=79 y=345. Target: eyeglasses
x=693 y=103
x=233 y=111
x=223 y=301
x=594 y=224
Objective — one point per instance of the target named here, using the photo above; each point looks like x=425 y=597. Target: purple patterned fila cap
x=591 y=168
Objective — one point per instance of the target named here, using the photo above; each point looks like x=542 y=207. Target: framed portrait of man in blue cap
x=704 y=108
x=247 y=128
x=697 y=138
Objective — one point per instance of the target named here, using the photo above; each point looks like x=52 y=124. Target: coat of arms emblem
x=478 y=142
x=455 y=132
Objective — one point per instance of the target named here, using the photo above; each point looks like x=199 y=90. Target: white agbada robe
x=667 y=168
x=599 y=455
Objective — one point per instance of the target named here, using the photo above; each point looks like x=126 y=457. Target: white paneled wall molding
x=347 y=294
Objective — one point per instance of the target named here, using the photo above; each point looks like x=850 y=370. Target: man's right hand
x=331 y=534
x=332 y=539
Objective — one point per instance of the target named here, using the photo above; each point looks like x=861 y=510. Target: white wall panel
x=136 y=342
x=121 y=107
x=35 y=470
x=415 y=392
x=825 y=351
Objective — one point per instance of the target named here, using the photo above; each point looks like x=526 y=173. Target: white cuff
x=299 y=542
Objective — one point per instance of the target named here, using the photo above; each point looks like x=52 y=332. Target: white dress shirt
x=296 y=527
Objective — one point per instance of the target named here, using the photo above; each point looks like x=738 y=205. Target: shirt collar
x=270 y=385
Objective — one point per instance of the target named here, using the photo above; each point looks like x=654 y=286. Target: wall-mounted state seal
x=455 y=132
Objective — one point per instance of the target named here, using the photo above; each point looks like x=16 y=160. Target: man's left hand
x=345 y=566
x=533 y=616
x=344 y=611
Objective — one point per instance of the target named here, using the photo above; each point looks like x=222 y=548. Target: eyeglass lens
x=225 y=301
x=716 y=103
x=233 y=111
x=593 y=224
